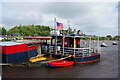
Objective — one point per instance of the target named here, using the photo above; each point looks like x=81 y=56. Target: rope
x=57 y=59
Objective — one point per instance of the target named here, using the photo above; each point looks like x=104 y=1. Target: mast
x=74 y=45
x=68 y=26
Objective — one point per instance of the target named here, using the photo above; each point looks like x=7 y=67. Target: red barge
x=21 y=51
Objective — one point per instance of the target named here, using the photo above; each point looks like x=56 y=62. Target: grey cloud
x=16 y=19
x=66 y=10
x=89 y=17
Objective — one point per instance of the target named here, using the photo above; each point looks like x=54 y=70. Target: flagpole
x=68 y=27
x=55 y=36
x=54 y=25
x=63 y=41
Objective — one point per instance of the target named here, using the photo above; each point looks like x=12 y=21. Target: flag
x=59 y=26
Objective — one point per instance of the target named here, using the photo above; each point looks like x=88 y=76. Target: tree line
x=38 y=30
x=27 y=30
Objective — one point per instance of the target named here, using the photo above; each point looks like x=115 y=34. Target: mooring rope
x=56 y=59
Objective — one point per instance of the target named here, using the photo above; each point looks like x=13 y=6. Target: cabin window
x=59 y=42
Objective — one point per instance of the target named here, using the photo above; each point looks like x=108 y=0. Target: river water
x=107 y=67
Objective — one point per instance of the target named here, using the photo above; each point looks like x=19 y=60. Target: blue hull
x=32 y=53
x=87 y=59
x=18 y=57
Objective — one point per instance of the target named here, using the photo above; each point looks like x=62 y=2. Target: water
x=107 y=67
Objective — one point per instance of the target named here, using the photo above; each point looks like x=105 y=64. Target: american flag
x=59 y=26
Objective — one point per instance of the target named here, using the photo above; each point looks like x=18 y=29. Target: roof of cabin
x=38 y=37
x=10 y=43
x=72 y=36
x=27 y=41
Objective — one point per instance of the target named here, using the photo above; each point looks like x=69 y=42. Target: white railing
x=77 y=51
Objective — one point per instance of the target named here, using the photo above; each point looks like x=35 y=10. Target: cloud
x=20 y=13
x=59 y=0
x=23 y=18
x=90 y=17
x=66 y=10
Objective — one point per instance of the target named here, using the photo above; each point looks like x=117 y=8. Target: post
x=89 y=46
x=39 y=49
x=63 y=44
x=83 y=52
x=98 y=45
x=74 y=45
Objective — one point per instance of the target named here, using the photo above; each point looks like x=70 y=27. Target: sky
x=91 y=17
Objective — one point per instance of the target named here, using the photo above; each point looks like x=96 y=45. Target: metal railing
x=68 y=50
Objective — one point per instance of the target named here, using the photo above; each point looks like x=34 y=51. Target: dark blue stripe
x=85 y=59
x=14 y=58
x=18 y=57
x=22 y=57
x=32 y=53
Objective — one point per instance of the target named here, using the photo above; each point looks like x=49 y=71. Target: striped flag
x=59 y=26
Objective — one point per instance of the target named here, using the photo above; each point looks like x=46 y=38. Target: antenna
x=68 y=26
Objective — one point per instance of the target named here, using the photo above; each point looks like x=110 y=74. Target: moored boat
x=104 y=45
x=114 y=43
x=22 y=51
x=88 y=59
x=71 y=45
x=37 y=59
x=60 y=63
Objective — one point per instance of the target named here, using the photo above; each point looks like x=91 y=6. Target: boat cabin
x=74 y=45
x=67 y=41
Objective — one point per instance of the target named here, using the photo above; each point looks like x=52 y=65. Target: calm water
x=107 y=67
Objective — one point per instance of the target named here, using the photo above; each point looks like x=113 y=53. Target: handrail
x=68 y=50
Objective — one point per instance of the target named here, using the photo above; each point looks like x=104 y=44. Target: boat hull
x=18 y=57
x=17 y=53
x=114 y=43
x=90 y=59
x=61 y=63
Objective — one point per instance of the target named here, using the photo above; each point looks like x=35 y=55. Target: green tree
x=0 y=30
x=4 y=31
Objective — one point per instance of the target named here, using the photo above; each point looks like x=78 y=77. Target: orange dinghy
x=60 y=63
